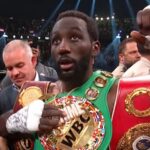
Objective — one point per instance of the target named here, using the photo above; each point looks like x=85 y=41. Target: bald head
x=15 y=45
x=19 y=62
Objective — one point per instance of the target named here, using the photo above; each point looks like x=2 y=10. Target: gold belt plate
x=82 y=132
x=136 y=138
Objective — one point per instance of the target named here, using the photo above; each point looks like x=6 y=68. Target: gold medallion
x=83 y=129
x=91 y=93
x=107 y=74
x=29 y=94
x=130 y=105
x=136 y=138
x=100 y=81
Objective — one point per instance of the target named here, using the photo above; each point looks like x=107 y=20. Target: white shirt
x=37 y=77
x=119 y=71
x=140 y=68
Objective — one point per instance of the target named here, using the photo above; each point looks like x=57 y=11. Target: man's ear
x=121 y=58
x=95 y=48
x=34 y=60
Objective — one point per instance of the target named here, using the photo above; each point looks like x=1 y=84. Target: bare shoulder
x=112 y=96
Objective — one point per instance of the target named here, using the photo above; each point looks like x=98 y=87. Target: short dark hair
x=122 y=45
x=91 y=24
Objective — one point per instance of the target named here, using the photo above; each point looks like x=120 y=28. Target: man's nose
x=14 y=72
x=64 y=47
x=138 y=55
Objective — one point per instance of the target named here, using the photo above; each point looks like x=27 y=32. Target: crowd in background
x=16 y=28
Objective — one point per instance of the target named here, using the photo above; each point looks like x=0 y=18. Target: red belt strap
x=131 y=116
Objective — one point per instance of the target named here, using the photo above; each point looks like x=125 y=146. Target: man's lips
x=66 y=63
x=66 y=66
x=18 y=80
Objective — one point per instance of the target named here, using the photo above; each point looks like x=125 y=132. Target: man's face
x=131 y=54
x=20 y=67
x=71 y=48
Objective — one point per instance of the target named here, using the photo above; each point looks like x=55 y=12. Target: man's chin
x=19 y=83
x=66 y=75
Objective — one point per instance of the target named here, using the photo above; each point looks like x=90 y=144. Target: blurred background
x=25 y=19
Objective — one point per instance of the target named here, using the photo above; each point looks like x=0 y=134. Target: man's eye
x=55 y=41
x=9 y=68
x=75 y=38
x=20 y=65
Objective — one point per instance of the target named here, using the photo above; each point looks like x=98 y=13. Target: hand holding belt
x=29 y=109
x=34 y=117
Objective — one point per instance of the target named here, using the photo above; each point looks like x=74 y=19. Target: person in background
x=20 y=64
x=2 y=44
x=128 y=54
x=44 y=70
x=141 y=67
x=78 y=116
x=40 y=68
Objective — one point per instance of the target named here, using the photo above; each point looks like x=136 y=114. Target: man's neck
x=66 y=86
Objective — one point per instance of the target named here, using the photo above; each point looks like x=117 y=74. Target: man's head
x=19 y=62
x=128 y=52
x=74 y=44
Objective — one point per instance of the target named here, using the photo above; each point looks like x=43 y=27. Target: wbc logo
x=82 y=128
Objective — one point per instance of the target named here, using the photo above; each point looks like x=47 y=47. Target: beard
x=78 y=72
x=128 y=65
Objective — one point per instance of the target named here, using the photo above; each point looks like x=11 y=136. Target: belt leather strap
x=131 y=116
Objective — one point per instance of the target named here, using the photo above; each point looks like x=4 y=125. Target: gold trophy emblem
x=29 y=94
x=84 y=126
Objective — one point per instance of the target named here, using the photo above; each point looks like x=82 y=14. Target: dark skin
x=74 y=41
x=69 y=46
x=50 y=118
x=3 y=144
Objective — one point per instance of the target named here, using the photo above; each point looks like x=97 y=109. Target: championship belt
x=84 y=126
x=29 y=92
x=131 y=116
x=87 y=125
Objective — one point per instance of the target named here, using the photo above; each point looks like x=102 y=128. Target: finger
x=48 y=123
x=45 y=128
x=52 y=112
x=50 y=106
x=52 y=121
